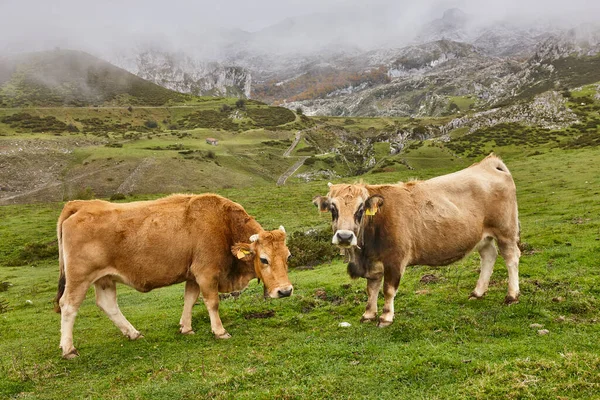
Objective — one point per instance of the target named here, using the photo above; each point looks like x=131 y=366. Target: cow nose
x=345 y=236
x=285 y=292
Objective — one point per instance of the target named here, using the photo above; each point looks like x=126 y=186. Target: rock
x=344 y=325
x=543 y=332
x=535 y=326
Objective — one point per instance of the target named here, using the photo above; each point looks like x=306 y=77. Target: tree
x=299 y=111
x=241 y=104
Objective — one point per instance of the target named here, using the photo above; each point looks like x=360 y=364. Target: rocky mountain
x=186 y=74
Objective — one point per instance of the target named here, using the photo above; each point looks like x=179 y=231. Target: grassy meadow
x=441 y=345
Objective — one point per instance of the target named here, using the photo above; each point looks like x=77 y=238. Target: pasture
x=441 y=345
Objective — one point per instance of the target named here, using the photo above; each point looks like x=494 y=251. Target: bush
x=117 y=196
x=32 y=252
x=85 y=194
x=311 y=248
x=151 y=124
x=241 y=104
x=226 y=108
x=72 y=128
x=299 y=111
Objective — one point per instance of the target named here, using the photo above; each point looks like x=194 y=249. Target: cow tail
x=61 y=257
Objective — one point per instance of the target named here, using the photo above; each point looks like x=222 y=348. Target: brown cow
x=385 y=228
x=196 y=239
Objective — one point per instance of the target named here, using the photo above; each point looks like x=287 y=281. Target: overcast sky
x=38 y=24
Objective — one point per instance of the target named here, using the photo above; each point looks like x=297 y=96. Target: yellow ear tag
x=242 y=253
x=371 y=212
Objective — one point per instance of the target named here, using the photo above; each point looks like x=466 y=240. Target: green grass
x=440 y=346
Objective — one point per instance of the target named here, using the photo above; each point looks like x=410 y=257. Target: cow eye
x=264 y=260
x=334 y=212
x=359 y=214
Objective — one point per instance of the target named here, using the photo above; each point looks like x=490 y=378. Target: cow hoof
x=382 y=323
x=190 y=332
x=223 y=336
x=364 y=319
x=508 y=300
x=71 y=355
x=136 y=336
x=475 y=296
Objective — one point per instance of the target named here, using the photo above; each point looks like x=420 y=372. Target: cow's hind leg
x=192 y=291
x=511 y=254
x=488 y=253
x=69 y=305
x=392 y=277
x=106 y=299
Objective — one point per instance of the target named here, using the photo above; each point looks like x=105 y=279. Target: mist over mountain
x=333 y=56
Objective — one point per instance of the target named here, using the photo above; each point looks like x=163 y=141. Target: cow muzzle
x=280 y=292
x=344 y=238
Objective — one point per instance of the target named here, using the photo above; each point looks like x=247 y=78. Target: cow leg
x=390 y=287
x=373 y=286
x=106 y=299
x=488 y=253
x=69 y=305
x=511 y=254
x=192 y=291
x=210 y=294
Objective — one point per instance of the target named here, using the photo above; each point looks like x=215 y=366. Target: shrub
x=85 y=194
x=32 y=252
x=117 y=196
x=3 y=306
x=241 y=104
x=151 y=124
x=299 y=111
x=226 y=108
x=4 y=286
x=130 y=109
x=72 y=128
x=311 y=248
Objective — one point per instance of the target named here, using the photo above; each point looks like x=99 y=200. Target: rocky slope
x=186 y=74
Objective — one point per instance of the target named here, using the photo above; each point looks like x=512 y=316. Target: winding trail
x=291 y=170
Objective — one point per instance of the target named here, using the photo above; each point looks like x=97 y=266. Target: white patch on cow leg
x=373 y=286
x=488 y=253
x=69 y=305
x=511 y=254
x=192 y=291
x=211 y=300
x=106 y=299
x=390 y=287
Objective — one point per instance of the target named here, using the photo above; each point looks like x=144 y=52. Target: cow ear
x=373 y=204
x=322 y=203
x=242 y=251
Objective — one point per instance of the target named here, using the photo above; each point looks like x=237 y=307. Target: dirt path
x=294 y=144
x=7 y=200
x=290 y=171
x=129 y=183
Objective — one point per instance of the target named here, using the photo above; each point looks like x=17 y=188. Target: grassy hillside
x=440 y=346
x=75 y=78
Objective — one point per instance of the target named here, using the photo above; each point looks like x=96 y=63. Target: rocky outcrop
x=186 y=74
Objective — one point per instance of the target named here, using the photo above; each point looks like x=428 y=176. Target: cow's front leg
x=373 y=286
x=390 y=287
x=192 y=291
x=210 y=294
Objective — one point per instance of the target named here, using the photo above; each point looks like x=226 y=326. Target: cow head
x=269 y=255
x=350 y=207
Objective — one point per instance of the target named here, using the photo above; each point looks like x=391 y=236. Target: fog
x=208 y=28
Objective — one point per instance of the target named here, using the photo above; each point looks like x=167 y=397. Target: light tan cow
x=206 y=241
x=385 y=228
